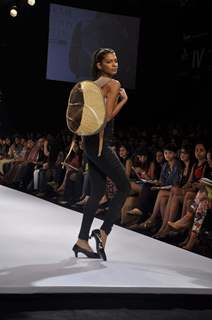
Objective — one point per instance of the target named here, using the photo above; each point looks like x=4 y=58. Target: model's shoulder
x=114 y=83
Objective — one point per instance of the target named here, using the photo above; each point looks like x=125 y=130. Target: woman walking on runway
x=105 y=66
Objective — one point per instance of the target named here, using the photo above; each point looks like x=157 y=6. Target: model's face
x=109 y=65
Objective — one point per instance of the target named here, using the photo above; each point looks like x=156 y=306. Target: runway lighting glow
x=31 y=2
x=13 y=11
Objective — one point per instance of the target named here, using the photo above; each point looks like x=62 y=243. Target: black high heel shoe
x=89 y=254
x=99 y=246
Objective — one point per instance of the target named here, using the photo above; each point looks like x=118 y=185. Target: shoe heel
x=75 y=251
x=99 y=246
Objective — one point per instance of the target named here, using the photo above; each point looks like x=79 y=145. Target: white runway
x=36 y=256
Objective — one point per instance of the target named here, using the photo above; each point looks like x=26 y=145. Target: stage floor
x=36 y=256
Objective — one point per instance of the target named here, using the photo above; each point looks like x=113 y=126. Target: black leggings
x=107 y=165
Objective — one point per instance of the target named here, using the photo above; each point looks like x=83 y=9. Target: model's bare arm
x=112 y=106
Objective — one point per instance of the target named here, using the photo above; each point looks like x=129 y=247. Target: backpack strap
x=102 y=81
x=101 y=140
x=71 y=148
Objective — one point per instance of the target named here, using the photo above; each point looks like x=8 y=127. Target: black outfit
x=106 y=165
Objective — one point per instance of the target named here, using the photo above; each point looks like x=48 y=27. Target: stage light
x=13 y=11
x=31 y=2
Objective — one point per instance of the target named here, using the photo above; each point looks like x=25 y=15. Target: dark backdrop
x=173 y=75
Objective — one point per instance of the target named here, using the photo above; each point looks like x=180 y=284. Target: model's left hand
x=123 y=94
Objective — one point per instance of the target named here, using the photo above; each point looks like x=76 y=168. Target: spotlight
x=13 y=11
x=31 y=2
